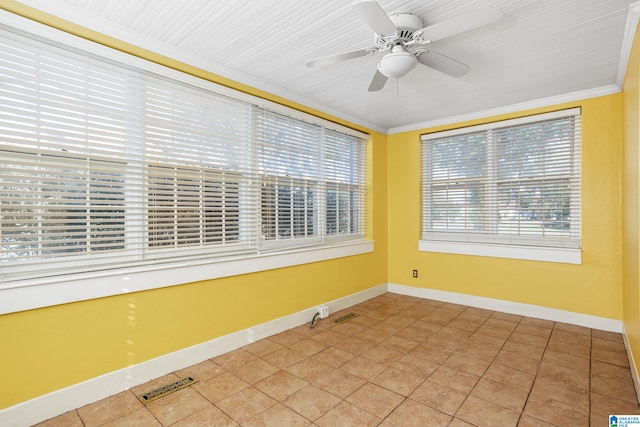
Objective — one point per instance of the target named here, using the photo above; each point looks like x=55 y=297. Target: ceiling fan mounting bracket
x=417 y=38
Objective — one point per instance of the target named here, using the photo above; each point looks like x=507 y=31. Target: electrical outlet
x=415 y=274
x=324 y=311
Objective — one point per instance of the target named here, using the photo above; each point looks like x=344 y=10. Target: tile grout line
x=453 y=417
x=405 y=398
x=492 y=361
x=536 y=375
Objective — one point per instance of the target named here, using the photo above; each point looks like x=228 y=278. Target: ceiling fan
x=405 y=42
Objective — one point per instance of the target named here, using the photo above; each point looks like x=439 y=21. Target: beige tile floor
x=403 y=361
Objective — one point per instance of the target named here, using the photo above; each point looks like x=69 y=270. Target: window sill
x=531 y=253
x=38 y=293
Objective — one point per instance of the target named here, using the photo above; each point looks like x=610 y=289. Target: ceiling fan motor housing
x=406 y=23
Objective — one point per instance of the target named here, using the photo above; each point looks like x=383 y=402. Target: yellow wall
x=630 y=198
x=591 y=288
x=47 y=349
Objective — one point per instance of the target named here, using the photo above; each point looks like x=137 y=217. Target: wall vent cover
x=344 y=318
x=166 y=390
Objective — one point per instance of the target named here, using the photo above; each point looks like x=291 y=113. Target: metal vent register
x=166 y=390
x=344 y=318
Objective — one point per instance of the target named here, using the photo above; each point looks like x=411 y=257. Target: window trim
x=440 y=243
x=43 y=292
x=530 y=253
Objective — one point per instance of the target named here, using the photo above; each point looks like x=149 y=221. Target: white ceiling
x=540 y=49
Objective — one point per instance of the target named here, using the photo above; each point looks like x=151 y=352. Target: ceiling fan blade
x=443 y=63
x=461 y=23
x=378 y=81
x=335 y=59
x=371 y=13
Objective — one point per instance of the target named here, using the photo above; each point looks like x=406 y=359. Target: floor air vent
x=344 y=318
x=166 y=390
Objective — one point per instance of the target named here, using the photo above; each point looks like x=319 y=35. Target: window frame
x=505 y=246
x=62 y=287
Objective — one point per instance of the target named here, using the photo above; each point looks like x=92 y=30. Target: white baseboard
x=60 y=401
x=518 y=308
x=632 y=363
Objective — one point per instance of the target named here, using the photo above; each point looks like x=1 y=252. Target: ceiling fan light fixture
x=398 y=63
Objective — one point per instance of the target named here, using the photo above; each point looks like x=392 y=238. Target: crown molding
x=631 y=24
x=512 y=108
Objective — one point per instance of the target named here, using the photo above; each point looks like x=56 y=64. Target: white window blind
x=104 y=165
x=512 y=182
x=345 y=185
x=312 y=181
x=198 y=168
x=289 y=163
x=62 y=153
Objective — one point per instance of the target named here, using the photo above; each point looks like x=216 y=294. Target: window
x=344 y=175
x=513 y=184
x=60 y=205
x=289 y=161
x=192 y=207
x=312 y=182
x=105 y=165
x=196 y=147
